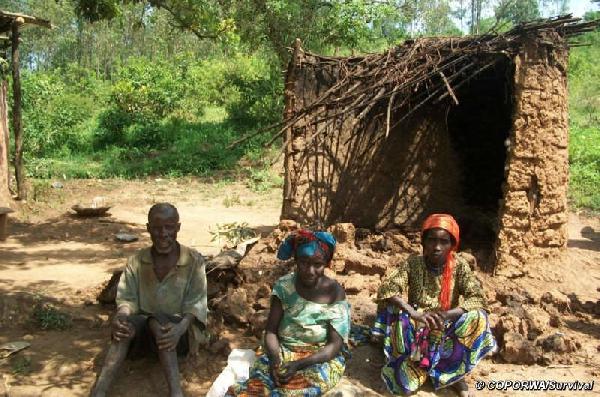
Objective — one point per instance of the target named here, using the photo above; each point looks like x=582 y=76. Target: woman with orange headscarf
x=432 y=316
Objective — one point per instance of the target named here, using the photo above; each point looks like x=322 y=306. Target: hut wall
x=5 y=197
x=533 y=215
x=367 y=179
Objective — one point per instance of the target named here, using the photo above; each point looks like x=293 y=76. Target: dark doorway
x=479 y=128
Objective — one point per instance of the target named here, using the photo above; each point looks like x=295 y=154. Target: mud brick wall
x=377 y=182
x=533 y=215
x=366 y=179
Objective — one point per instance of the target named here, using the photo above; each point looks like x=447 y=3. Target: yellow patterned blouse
x=422 y=287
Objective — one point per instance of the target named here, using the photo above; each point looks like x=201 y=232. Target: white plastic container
x=237 y=370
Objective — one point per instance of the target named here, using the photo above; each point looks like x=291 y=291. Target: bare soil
x=54 y=257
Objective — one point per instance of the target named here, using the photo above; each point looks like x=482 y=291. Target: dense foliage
x=161 y=87
x=584 y=103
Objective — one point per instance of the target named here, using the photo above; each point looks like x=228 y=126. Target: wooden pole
x=5 y=196
x=17 y=119
x=288 y=111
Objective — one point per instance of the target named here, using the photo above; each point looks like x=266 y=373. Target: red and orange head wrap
x=448 y=223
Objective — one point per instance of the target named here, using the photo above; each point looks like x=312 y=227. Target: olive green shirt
x=182 y=291
x=423 y=287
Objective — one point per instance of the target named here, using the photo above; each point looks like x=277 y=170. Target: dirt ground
x=56 y=258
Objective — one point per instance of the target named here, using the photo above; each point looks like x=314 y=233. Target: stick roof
x=417 y=72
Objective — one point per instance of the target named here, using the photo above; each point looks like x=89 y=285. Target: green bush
x=584 y=158
x=173 y=117
x=48 y=317
x=584 y=115
x=56 y=115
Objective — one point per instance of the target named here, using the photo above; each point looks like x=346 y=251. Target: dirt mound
x=527 y=320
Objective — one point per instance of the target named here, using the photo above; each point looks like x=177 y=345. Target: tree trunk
x=17 y=125
x=5 y=196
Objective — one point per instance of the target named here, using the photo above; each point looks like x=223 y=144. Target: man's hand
x=433 y=320
x=169 y=335
x=275 y=369
x=121 y=328
x=288 y=370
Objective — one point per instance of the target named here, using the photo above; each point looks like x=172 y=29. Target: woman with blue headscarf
x=307 y=328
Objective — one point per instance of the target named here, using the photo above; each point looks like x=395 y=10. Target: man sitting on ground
x=161 y=303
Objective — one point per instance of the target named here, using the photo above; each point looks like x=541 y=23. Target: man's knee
x=156 y=322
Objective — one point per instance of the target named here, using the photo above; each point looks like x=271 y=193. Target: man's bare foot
x=176 y=393
x=462 y=389
x=97 y=393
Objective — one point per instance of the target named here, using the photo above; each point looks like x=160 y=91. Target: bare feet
x=462 y=389
x=97 y=393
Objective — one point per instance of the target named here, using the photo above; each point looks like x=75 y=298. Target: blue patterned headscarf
x=305 y=243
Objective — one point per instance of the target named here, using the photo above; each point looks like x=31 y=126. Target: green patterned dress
x=302 y=331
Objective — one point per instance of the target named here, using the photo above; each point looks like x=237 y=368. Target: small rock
x=125 y=237
x=510 y=298
x=338 y=265
x=221 y=346
x=258 y=322
x=225 y=260
x=57 y=185
x=213 y=289
x=555 y=320
x=557 y=299
x=262 y=303
x=354 y=284
x=484 y=372
x=238 y=306
x=518 y=350
x=263 y=291
x=559 y=343
x=537 y=321
x=395 y=241
x=546 y=359
x=29 y=337
x=67 y=369
x=364 y=264
x=344 y=232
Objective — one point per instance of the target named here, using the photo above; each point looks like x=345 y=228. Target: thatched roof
x=394 y=84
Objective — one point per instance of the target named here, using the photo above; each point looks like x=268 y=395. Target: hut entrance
x=479 y=128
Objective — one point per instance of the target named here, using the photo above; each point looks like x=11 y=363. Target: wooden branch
x=389 y=113
x=449 y=88
x=422 y=71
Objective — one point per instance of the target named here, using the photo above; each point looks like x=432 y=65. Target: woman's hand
x=453 y=314
x=287 y=371
x=432 y=319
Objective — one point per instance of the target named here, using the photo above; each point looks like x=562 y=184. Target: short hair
x=163 y=207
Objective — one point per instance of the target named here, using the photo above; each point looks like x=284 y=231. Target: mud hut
x=473 y=126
